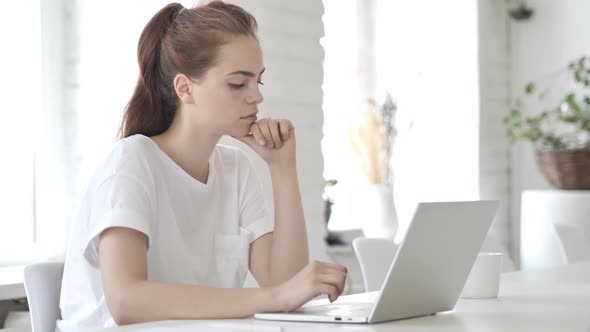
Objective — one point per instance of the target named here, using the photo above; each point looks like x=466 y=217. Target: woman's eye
x=260 y=82
x=236 y=86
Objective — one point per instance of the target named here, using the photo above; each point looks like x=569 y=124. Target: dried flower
x=372 y=134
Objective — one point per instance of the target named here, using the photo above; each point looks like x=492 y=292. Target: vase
x=378 y=211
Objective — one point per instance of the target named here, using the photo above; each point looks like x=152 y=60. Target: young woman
x=172 y=221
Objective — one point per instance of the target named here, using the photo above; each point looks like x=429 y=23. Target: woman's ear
x=183 y=88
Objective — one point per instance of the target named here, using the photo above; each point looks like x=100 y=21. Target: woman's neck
x=189 y=148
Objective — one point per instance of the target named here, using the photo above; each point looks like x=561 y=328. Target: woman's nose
x=256 y=96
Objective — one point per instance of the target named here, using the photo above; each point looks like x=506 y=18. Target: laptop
x=426 y=275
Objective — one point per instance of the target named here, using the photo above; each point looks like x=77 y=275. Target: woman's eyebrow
x=246 y=73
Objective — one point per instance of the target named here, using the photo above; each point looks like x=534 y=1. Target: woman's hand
x=273 y=140
x=315 y=279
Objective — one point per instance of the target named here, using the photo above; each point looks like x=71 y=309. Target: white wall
x=556 y=34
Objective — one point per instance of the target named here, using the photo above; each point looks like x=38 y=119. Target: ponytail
x=178 y=40
x=153 y=104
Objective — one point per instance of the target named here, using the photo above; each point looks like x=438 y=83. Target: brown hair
x=178 y=40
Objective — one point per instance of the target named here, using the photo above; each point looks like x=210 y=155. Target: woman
x=172 y=222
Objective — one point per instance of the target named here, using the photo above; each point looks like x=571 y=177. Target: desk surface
x=556 y=299
x=11 y=282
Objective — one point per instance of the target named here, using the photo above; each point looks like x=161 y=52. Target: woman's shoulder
x=133 y=151
x=129 y=156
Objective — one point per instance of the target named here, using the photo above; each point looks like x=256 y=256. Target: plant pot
x=566 y=169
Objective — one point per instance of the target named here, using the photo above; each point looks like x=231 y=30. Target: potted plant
x=331 y=238
x=561 y=132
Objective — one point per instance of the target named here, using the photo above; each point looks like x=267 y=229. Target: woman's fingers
x=257 y=133
x=273 y=127
x=328 y=273
x=263 y=126
x=332 y=266
x=315 y=279
x=271 y=133
x=285 y=126
x=335 y=279
x=327 y=289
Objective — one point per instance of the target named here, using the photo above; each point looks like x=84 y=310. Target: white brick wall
x=71 y=107
x=494 y=66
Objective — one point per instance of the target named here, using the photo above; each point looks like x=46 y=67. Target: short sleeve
x=120 y=201
x=254 y=214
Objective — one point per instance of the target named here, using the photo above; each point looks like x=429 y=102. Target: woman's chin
x=239 y=133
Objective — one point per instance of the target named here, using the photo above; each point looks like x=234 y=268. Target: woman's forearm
x=290 y=251
x=144 y=301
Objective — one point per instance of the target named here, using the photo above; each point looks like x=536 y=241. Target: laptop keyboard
x=345 y=309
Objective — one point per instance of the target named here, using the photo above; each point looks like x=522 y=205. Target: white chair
x=540 y=246
x=43 y=287
x=575 y=244
x=374 y=256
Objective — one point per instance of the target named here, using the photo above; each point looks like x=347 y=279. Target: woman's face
x=226 y=99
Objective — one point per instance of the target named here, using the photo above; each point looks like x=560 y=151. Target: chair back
x=375 y=256
x=575 y=244
x=43 y=287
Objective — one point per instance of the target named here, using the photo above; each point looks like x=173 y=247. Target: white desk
x=11 y=282
x=556 y=299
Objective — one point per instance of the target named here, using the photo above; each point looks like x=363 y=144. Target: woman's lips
x=251 y=118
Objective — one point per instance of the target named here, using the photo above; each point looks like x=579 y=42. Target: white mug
x=484 y=279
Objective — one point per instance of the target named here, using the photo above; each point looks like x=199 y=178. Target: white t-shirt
x=198 y=233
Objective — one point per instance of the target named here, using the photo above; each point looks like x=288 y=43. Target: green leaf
x=567 y=117
x=570 y=100
x=514 y=110
x=578 y=77
x=585 y=124
x=554 y=141
x=529 y=88
x=587 y=100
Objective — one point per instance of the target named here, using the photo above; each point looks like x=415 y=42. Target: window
x=341 y=96
x=428 y=61
x=31 y=171
x=20 y=86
